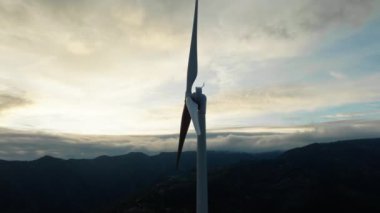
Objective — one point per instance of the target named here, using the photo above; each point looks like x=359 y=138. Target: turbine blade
x=193 y=110
x=185 y=123
x=192 y=68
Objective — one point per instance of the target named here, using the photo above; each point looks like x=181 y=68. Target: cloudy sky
x=108 y=77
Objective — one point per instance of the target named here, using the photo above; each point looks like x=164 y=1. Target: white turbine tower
x=195 y=110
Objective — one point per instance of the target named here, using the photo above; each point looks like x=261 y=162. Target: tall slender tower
x=195 y=109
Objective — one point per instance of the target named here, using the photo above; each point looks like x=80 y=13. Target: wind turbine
x=195 y=110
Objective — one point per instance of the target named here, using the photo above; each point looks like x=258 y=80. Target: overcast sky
x=118 y=67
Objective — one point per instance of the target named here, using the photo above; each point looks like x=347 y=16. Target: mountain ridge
x=338 y=176
x=50 y=184
x=342 y=175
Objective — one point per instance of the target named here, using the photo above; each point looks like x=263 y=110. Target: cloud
x=102 y=30
x=102 y=67
x=337 y=75
x=317 y=133
x=295 y=97
x=331 y=13
x=8 y=102
x=19 y=145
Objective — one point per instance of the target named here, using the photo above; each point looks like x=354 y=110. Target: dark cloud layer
x=17 y=145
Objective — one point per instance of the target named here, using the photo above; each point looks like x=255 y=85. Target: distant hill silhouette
x=338 y=177
x=54 y=185
x=330 y=177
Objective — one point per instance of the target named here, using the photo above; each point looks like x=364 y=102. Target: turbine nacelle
x=195 y=104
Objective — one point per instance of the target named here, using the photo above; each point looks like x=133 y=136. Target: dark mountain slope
x=54 y=185
x=329 y=177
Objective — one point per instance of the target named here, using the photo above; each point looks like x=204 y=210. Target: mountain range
x=330 y=177
x=338 y=176
x=51 y=184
